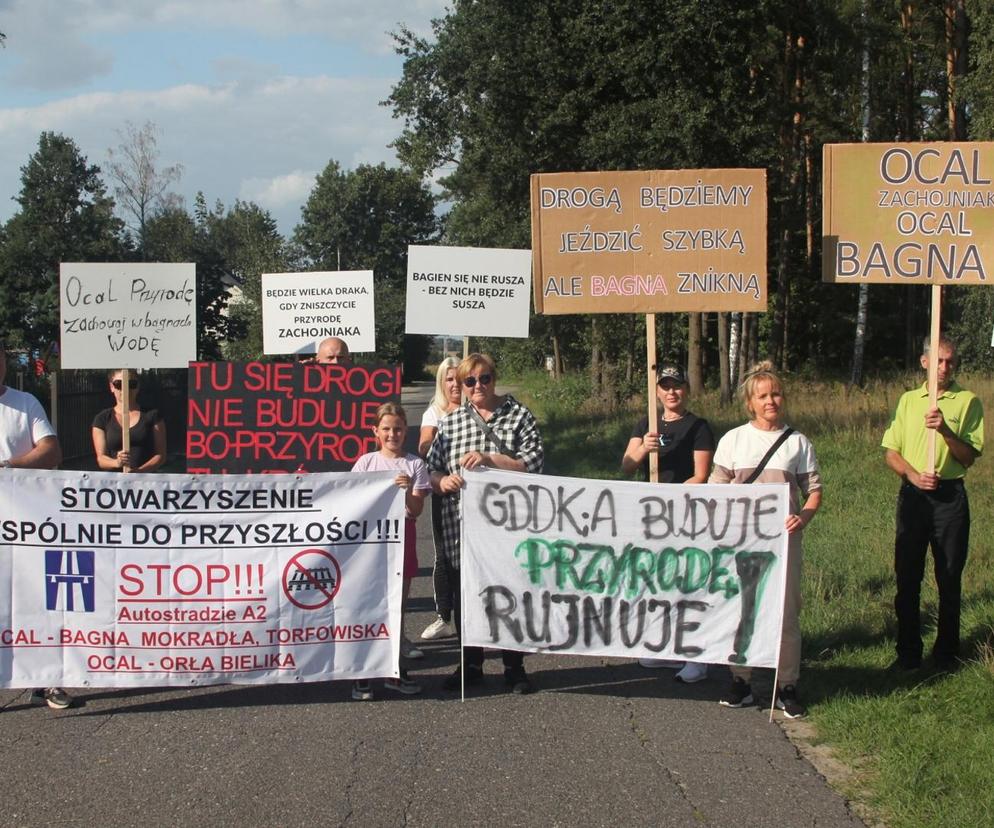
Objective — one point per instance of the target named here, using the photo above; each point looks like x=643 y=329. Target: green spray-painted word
x=602 y=570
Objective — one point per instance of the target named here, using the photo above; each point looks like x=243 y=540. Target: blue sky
x=251 y=97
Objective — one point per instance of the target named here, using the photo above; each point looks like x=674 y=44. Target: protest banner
x=908 y=213
x=556 y=564
x=301 y=309
x=112 y=580
x=649 y=241
x=132 y=315
x=466 y=291
x=273 y=417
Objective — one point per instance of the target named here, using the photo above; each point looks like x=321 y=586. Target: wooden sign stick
x=125 y=414
x=650 y=371
x=933 y=371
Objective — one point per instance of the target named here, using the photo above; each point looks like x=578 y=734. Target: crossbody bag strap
x=766 y=457
x=489 y=432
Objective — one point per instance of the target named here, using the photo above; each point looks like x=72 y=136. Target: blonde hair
x=473 y=361
x=391 y=410
x=759 y=372
x=440 y=402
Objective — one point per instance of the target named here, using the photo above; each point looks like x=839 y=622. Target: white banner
x=132 y=315
x=110 y=580
x=559 y=564
x=468 y=291
x=301 y=309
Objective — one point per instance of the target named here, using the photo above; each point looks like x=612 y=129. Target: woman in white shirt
x=448 y=395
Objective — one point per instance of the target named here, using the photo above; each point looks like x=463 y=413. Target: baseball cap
x=671 y=372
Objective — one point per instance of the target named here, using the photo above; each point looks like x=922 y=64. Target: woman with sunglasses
x=684 y=444
x=148 y=432
x=462 y=442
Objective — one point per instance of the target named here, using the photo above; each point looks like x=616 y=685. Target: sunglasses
x=483 y=379
x=117 y=385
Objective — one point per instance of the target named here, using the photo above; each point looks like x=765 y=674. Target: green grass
x=922 y=745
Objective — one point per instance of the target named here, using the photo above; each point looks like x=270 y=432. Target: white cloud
x=251 y=141
x=247 y=131
x=279 y=191
x=363 y=21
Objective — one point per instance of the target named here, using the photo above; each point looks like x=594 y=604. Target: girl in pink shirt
x=412 y=477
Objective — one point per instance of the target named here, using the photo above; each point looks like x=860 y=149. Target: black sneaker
x=517 y=680
x=945 y=663
x=738 y=695
x=788 y=702
x=474 y=675
x=904 y=664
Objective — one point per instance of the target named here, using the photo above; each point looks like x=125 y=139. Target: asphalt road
x=602 y=742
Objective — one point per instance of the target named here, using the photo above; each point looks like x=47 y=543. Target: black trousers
x=441 y=574
x=473 y=656
x=940 y=519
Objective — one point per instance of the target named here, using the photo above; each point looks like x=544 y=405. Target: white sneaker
x=438 y=629
x=692 y=673
x=659 y=663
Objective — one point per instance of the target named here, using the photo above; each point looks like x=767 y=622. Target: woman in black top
x=148 y=433
x=684 y=441
x=686 y=445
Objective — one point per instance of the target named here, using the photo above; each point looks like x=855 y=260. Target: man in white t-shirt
x=28 y=441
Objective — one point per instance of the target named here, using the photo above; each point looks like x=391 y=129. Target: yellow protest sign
x=908 y=213
x=649 y=241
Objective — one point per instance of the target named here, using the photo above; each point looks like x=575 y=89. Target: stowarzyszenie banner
x=137 y=580
x=559 y=564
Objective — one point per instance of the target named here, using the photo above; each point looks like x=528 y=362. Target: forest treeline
x=500 y=90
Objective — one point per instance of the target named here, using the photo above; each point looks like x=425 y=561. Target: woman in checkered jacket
x=507 y=438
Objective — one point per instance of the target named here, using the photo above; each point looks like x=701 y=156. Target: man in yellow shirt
x=932 y=507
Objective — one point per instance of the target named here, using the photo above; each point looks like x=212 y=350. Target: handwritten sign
x=301 y=309
x=128 y=315
x=647 y=242
x=145 y=580
x=272 y=417
x=908 y=213
x=556 y=564
x=465 y=291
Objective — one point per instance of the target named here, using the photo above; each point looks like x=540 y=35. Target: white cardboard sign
x=301 y=309
x=463 y=291
x=130 y=315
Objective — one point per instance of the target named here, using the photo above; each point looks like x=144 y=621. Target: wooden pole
x=650 y=371
x=53 y=396
x=125 y=414
x=465 y=347
x=933 y=371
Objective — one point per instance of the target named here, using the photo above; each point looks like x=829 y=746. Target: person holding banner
x=766 y=450
x=932 y=506
x=685 y=444
x=489 y=429
x=412 y=477
x=147 y=432
x=448 y=395
x=28 y=441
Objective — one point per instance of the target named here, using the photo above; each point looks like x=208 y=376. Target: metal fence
x=79 y=395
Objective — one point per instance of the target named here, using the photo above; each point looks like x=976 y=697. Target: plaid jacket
x=458 y=433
